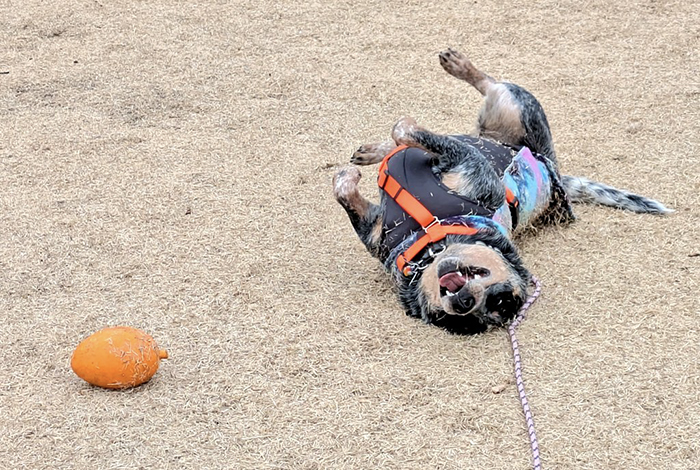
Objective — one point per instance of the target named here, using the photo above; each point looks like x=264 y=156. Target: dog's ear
x=505 y=299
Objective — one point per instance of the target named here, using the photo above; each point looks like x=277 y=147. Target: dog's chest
x=412 y=177
x=521 y=172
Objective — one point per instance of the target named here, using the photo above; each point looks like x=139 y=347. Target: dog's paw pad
x=455 y=63
x=371 y=153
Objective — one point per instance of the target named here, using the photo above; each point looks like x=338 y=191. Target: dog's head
x=469 y=286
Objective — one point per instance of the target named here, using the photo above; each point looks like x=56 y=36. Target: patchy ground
x=167 y=165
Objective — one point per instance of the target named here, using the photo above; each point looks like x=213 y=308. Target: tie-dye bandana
x=529 y=179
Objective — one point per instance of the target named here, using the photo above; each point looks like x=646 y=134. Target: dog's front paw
x=345 y=182
x=403 y=130
x=455 y=63
x=369 y=154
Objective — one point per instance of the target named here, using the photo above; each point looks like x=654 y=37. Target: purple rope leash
x=519 y=374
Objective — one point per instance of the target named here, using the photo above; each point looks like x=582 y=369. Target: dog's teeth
x=477 y=276
x=450 y=294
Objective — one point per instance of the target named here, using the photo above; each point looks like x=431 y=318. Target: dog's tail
x=584 y=190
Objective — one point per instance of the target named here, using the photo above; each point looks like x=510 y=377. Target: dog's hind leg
x=462 y=167
x=365 y=217
x=457 y=65
x=510 y=114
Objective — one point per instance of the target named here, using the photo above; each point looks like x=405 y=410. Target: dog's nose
x=464 y=302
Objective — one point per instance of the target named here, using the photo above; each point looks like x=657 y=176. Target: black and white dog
x=451 y=204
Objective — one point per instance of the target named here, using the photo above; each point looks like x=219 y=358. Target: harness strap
x=434 y=230
x=513 y=204
x=383 y=166
x=403 y=260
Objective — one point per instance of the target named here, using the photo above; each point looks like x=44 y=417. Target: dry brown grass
x=167 y=165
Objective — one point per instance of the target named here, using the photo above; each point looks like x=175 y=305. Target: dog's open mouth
x=452 y=281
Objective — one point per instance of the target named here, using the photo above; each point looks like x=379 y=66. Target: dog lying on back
x=450 y=205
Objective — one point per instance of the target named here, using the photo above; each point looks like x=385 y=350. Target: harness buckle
x=433 y=254
x=412 y=268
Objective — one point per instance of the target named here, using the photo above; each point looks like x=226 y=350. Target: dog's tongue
x=452 y=281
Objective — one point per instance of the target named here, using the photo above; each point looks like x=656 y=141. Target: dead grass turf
x=167 y=165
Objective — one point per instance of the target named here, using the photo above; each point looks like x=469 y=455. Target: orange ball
x=117 y=357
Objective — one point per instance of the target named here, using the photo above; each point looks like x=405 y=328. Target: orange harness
x=431 y=225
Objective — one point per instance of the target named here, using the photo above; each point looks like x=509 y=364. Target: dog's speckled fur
x=488 y=262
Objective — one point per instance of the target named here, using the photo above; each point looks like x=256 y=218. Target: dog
x=450 y=205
